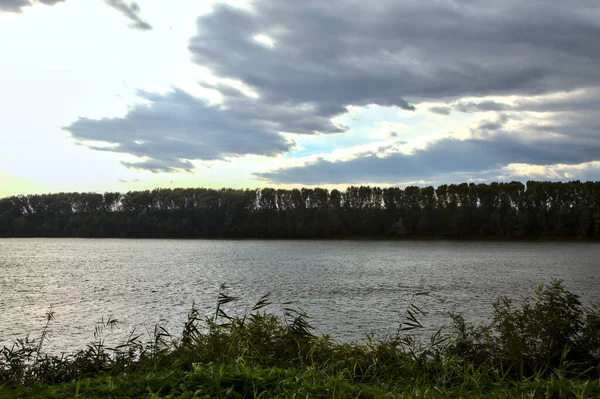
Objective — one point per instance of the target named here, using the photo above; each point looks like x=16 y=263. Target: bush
x=544 y=333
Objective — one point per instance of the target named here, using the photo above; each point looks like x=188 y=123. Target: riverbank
x=546 y=346
x=336 y=238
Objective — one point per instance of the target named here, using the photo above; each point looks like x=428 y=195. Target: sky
x=113 y=95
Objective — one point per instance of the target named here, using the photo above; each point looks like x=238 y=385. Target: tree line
x=503 y=210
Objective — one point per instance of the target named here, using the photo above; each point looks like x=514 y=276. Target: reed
x=545 y=346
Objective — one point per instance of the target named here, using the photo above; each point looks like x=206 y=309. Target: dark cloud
x=576 y=126
x=328 y=55
x=482 y=106
x=584 y=101
x=18 y=5
x=397 y=50
x=13 y=5
x=491 y=125
x=161 y=165
x=444 y=156
x=177 y=127
x=131 y=11
x=403 y=104
x=440 y=110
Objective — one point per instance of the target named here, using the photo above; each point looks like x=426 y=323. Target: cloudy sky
x=99 y=95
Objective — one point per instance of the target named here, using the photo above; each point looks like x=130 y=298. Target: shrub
x=544 y=333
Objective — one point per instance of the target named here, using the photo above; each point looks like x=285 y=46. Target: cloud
x=485 y=126
x=482 y=106
x=18 y=5
x=13 y=5
x=131 y=11
x=403 y=104
x=588 y=171
x=582 y=101
x=400 y=50
x=585 y=99
x=322 y=58
x=444 y=156
x=440 y=110
x=161 y=165
x=177 y=127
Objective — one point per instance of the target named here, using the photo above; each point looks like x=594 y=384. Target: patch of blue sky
x=372 y=124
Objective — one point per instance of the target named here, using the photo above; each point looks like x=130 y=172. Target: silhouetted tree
x=537 y=209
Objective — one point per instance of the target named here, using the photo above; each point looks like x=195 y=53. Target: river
x=350 y=288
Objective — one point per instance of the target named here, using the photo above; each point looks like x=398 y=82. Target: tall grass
x=546 y=346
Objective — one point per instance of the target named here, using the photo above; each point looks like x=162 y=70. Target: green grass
x=546 y=346
x=239 y=380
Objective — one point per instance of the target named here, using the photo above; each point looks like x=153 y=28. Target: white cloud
x=265 y=40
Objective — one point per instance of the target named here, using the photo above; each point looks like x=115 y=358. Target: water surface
x=349 y=287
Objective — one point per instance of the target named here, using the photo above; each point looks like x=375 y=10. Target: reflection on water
x=349 y=287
